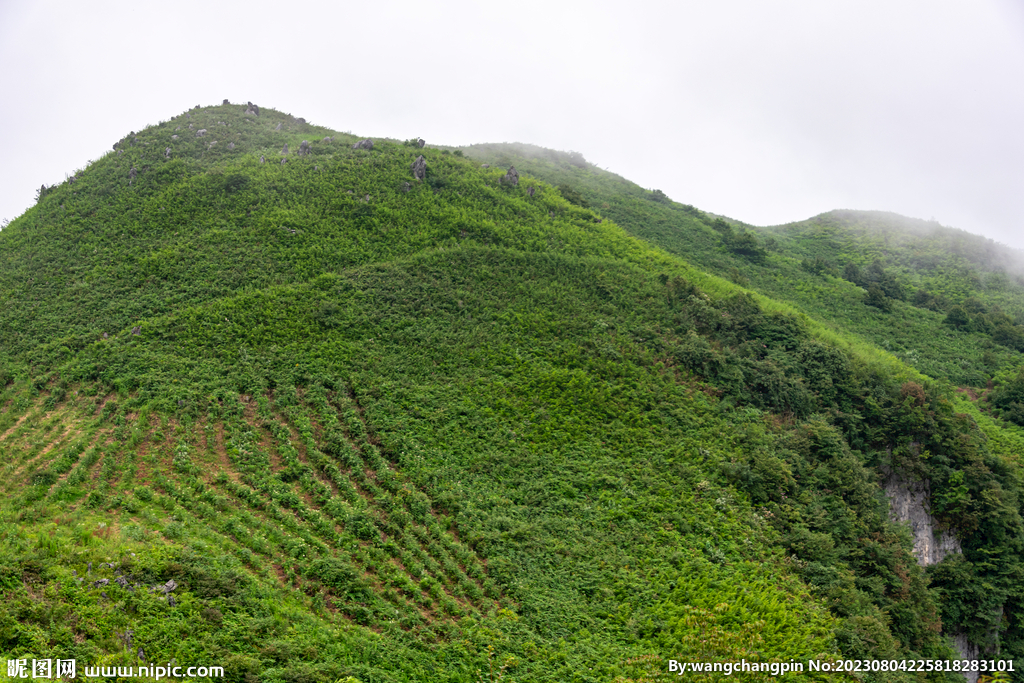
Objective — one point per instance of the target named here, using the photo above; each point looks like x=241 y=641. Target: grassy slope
x=442 y=430
x=946 y=262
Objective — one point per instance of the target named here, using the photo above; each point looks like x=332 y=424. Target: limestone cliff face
x=967 y=650
x=909 y=502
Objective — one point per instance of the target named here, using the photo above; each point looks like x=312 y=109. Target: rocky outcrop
x=252 y=109
x=420 y=142
x=512 y=177
x=419 y=168
x=530 y=190
x=201 y=132
x=304 y=148
x=225 y=101
x=167 y=153
x=967 y=650
x=284 y=150
x=909 y=502
x=366 y=144
x=278 y=127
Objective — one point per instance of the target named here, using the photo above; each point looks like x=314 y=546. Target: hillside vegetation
x=383 y=428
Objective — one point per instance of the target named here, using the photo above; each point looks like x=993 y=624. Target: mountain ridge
x=477 y=425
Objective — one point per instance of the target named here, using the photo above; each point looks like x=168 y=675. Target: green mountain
x=272 y=402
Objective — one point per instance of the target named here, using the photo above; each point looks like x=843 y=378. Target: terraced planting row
x=291 y=484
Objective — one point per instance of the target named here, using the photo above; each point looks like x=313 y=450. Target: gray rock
x=278 y=127
x=101 y=582
x=132 y=173
x=167 y=153
x=284 y=150
x=136 y=331
x=327 y=140
x=304 y=148
x=201 y=132
x=512 y=177
x=170 y=600
x=420 y=142
x=364 y=144
x=231 y=145
x=419 y=168
x=177 y=129
x=485 y=165
x=969 y=651
x=174 y=137
x=284 y=161
x=300 y=120
x=142 y=654
x=121 y=581
x=909 y=501
x=262 y=160
x=225 y=102
x=170 y=585
x=105 y=335
x=252 y=109
x=406 y=187
x=530 y=190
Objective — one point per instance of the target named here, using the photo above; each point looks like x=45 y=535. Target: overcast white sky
x=767 y=112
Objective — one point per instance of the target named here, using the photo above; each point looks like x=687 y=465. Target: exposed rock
x=231 y=145
x=101 y=582
x=170 y=585
x=201 y=132
x=327 y=140
x=178 y=128
x=252 y=109
x=132 y=173
x=174 y=137
x=142 y=654
x=908 y=502
x=304 y=148
x=170 y=600
x=512 y=177
x=278 y=127
x=485 y=165
x=225 y=102
x=284 y=161
x=262 y=160
x=190 y=126
x=300 y=120
x=420 y=142
x=363 y=144
x=120 y=152
x=136 y=331
x=969 y=651
x=530 y=190
x=105 y=335
x=419 y=168
x=167 y=153
x=284 y=150
x=406 y=187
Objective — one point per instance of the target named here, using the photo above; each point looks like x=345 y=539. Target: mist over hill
x=314 y=407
